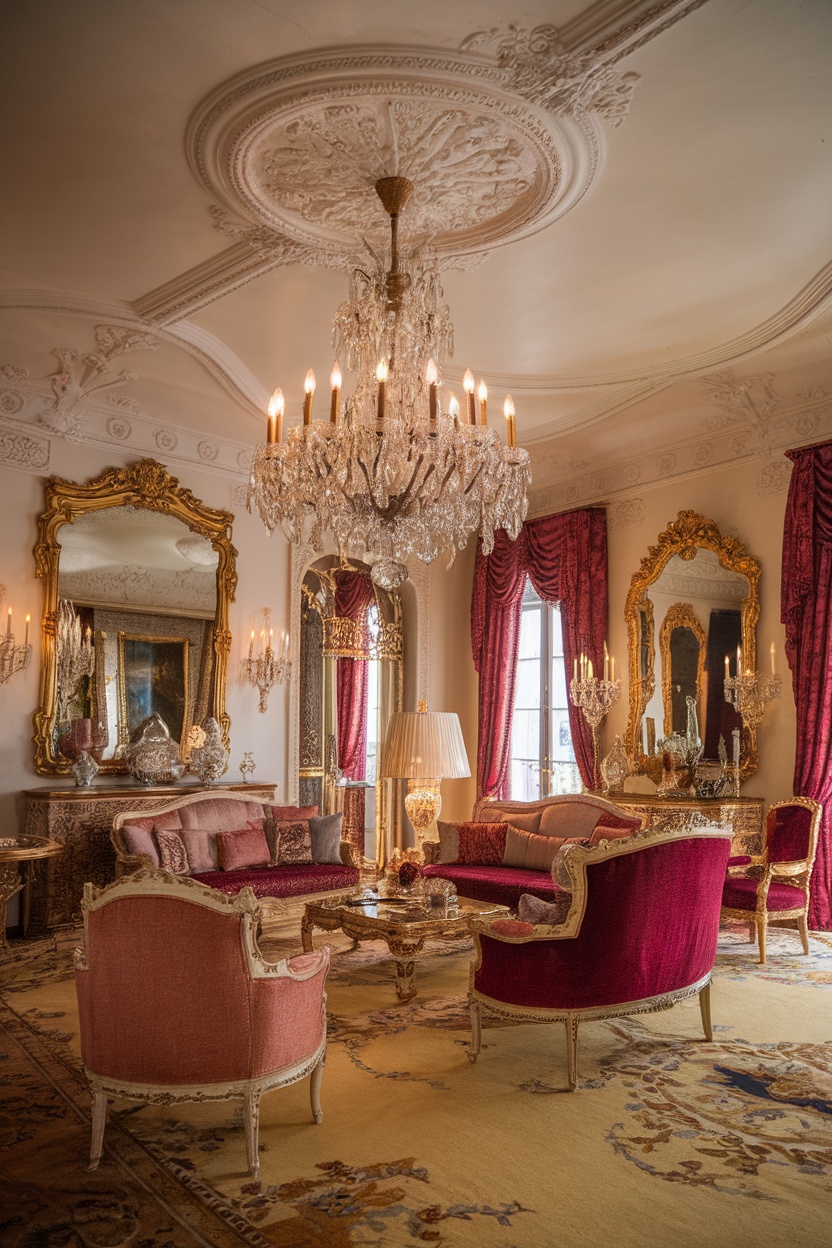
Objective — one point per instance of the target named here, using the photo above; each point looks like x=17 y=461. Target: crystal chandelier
x=75 y=654
x=398 y=471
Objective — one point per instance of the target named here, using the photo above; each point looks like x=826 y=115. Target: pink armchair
x=640 y=934
x=176 y=1002
x=775 y=887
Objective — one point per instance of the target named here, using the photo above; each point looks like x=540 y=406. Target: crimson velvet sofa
x=228 y=842
x=508 y=848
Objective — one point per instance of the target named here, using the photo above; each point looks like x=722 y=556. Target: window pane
x=525 y=735
x=527 y=695
x=530 y=632
x=565 y=777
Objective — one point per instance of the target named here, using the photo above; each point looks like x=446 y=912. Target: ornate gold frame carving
x=146 y=484
x=689 y=532
x=679 y=615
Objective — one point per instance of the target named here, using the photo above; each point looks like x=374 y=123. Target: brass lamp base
x=423 y=804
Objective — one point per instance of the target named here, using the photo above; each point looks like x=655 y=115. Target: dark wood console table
x=80 y=821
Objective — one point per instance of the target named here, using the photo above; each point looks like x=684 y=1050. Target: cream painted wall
x=263 y=581
x=453 y=681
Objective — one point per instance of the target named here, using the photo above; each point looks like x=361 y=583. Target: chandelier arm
x=469 y=487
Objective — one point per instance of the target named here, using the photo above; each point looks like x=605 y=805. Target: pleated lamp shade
x=424 y=744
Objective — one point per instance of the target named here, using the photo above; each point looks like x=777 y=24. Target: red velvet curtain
x=806 y=603
x=353 y=598
x=565 y=557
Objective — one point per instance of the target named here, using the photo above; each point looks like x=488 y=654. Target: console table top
x=106 y=792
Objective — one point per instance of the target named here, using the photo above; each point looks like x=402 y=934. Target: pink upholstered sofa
x=488 y=861
x=206 y=823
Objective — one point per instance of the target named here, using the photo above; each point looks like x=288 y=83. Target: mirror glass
x=138 y=575
x=692 y=606
x=351 y=665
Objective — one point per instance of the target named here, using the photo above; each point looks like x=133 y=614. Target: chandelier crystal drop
x=396 y=470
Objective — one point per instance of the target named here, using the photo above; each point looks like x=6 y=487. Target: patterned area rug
x=669 y=1140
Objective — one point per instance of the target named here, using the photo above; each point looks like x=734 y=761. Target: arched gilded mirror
x=138 y=576
x=698 y=593
x=351 y=670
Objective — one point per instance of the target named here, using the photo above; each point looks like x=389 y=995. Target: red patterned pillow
x=294 y=843
x=281 y=814
x=631 y=823
x=482 y=844
x=246 y=848
x=172 y=854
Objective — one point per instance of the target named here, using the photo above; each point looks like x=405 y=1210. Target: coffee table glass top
x=411 y=908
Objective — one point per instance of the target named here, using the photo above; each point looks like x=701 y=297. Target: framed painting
x=153 y=676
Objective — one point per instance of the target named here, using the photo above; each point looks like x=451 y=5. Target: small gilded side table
x=27 y=852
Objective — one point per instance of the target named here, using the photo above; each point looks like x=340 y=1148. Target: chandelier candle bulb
x=511 y=429
x=28 y=618
x=431 y=374
x=381 y=378
x=309 y=387
x=9 y=623
x=276 y=408
x=335 y=380
x=453 y=409
x=468 y=387
x=482 y=395
x=771 y=653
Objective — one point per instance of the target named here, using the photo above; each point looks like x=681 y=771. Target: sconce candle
x=28 y=618
x=771 y=652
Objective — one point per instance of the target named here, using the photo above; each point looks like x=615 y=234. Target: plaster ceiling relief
x=295 y=148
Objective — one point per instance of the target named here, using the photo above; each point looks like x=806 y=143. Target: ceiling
x=632 y=211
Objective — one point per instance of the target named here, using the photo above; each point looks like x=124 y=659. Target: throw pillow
x=140 y=840
x=511 y=927
x=571 y=818
x=326 y=838
x=173 y=856
x=281 y=814
x=613 y=832
x=631 y=823
x=246 y=848
x=519 y=819
x=294 y=843
x=201 y=848
x=535 y=910
x=472 y=844
x=525 y=849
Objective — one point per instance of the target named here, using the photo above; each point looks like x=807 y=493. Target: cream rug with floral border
x=669 y=1141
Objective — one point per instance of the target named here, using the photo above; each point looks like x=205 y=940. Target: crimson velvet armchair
x=640 y=934
x=775 y=887
x=176 y=1002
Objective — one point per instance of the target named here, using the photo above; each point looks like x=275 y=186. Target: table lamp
x=423 y=747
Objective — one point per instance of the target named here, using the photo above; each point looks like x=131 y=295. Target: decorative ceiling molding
x=488 y=168
x=78 y=377
x=803 y=422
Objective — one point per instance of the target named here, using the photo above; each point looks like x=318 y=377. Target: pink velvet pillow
x=294 y=843
x=201 y=848
x=172 y=853
x=614 y=831
x=247 y=848
x=140 y=841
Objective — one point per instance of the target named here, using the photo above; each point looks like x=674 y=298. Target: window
x=542 y=759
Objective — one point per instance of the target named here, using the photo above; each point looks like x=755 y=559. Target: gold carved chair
x=774 y=888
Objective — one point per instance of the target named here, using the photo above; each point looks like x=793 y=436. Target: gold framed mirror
x=133 y=565
x=698 y=592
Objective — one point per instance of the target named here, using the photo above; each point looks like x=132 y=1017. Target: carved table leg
x=403 y=951
x=306 y=927
x=10 y=883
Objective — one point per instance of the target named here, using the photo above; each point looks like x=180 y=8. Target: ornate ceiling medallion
x=294 y=148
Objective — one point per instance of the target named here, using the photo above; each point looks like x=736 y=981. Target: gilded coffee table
x=404 y=923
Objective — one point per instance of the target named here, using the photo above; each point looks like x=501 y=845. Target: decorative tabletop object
x=84 y=769
x=209 y=759
x=409 y=873
x=152 y=757
x=247 y=766
x=615 y=768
